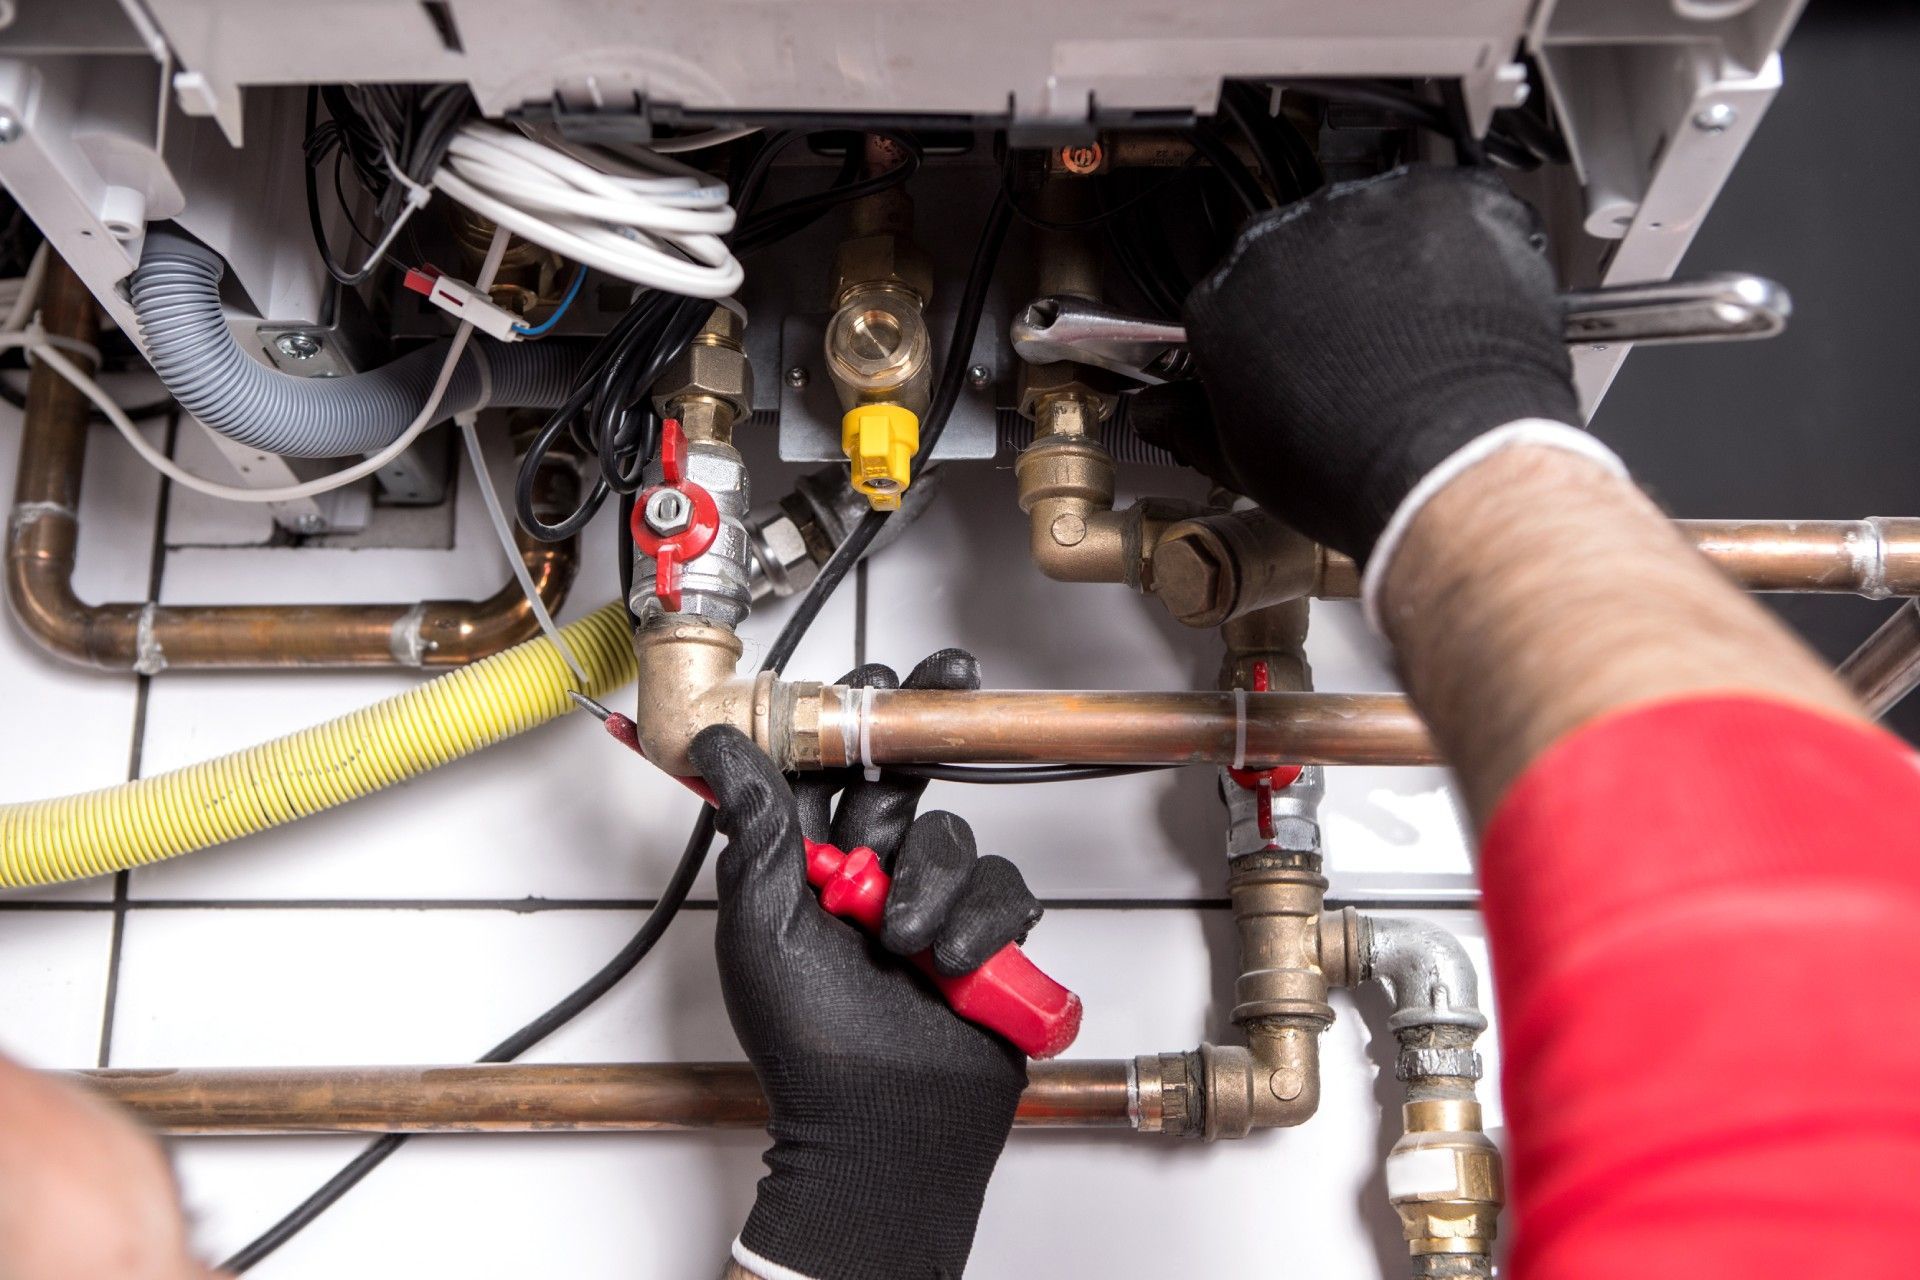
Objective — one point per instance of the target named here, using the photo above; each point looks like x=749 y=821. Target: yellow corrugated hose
x=101 y=832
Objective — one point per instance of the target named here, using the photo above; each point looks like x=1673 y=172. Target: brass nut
x=1193 y=580
x=882 y=259
x=1069 y=530
x=1040 y=383
x=708 y=370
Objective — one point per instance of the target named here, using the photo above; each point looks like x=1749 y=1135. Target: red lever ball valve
x=676 y=520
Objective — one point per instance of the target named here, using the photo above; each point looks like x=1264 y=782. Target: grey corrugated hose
x=176 y=296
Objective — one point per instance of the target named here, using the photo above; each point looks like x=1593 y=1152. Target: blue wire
x=573 y=291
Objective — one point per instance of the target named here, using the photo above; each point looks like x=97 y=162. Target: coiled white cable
x=660 y=229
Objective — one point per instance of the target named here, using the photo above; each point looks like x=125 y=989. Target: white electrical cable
x=660 y=229
x=504 y=532
x=45 y=348
x=23 y=302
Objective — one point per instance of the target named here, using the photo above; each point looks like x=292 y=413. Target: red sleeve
x=1705 y=921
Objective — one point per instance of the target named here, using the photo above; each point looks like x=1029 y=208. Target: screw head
x=668 y=512
x=797 y=377
x=1717 y=118
x=297 y=346
x=9 y=127
x=978 y=376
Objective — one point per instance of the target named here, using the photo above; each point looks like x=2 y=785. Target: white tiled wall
x=423 y=924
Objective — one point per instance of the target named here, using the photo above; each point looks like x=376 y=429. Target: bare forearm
x=1537 y=592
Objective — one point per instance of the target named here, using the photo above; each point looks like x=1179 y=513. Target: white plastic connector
x=464 y=302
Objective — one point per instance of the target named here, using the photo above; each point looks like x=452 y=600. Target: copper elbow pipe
x=534 y=1097
x=43 y=534
x=915 y=726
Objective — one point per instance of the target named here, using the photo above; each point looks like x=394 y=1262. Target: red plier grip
x=1008 y=995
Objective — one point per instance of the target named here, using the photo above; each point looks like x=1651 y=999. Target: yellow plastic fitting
x=100 y=832
x=880 y=441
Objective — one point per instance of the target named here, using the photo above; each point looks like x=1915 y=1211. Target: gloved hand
x=888 y=1111
x=1354 y=341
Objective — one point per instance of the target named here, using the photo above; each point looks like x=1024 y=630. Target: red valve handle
x=1007 y=995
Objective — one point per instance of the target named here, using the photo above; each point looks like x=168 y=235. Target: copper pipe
x=1877 y=557
x=916 y=726
x=533 y=1097
x=1886 y=666
x=43 y=534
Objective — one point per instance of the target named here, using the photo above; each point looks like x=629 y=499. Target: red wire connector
x=1008 y=995
x=676 y=520
x=464 y=302
x=1264 y=782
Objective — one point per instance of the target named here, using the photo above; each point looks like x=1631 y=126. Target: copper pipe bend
x=43 y=536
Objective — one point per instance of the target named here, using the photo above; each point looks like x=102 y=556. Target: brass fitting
x=709 y=385
x=1066 y=484
x=1444 y=1179
x=879 y=353
x=878 y=349
x=1290 y=953
x=687 y=682
x=887 y=259
x=1214 y=568
x=1275 y=635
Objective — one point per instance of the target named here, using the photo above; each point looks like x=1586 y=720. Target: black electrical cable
x=831 y=575
x=609 y=974
x=608 y=411
x=1221 y=156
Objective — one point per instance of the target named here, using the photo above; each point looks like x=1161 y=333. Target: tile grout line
x=537 y=906
x=136 y=753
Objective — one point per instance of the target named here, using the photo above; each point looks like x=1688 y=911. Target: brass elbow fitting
x=687 y=682
x=1291 y=952
x=1066 y=485
x=1444 y=1179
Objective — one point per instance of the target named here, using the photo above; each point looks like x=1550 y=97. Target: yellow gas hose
x=100 y=832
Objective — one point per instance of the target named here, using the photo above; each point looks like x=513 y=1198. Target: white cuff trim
x=761 y=1267
x=1538 y=432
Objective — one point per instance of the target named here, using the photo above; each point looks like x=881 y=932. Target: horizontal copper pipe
x=533 y=1097
x=1886 y=666
x=43 y=535
x=922 y=726
x=1876 y=557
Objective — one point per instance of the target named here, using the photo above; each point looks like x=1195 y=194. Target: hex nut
x=668 y=512
x=1192 y=581
x=706 y=369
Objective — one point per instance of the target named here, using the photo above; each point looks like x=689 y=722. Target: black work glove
x=888 y=1112
x=1353 y=341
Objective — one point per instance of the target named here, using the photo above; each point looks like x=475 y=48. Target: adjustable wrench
x=1716 y=308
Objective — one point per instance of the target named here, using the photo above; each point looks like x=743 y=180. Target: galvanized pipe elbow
x=1425 y=972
